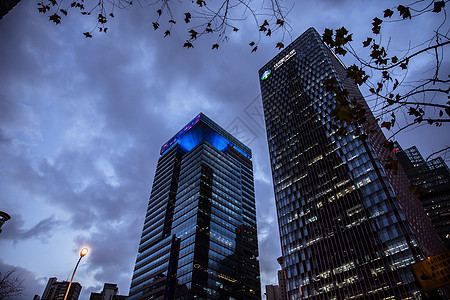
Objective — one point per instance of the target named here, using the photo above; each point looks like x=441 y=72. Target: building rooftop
x=203 y=128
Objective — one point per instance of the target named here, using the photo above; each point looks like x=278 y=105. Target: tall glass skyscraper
x=199 y=239
x=348 y=228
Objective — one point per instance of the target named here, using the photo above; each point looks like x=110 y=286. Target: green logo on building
x=266 y=74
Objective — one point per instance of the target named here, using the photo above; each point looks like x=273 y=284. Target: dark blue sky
x=82 y=122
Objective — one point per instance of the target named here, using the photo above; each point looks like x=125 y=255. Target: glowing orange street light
x=83 y=253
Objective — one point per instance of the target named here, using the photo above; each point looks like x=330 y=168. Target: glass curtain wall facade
x=348 y=229
x=199 y=239
x=433 y=179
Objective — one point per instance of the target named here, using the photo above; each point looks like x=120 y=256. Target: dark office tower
x=433 y=179
x=348 y=229
x=56 y=290
x=199 y=239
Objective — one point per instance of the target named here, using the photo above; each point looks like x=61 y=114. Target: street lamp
x=83 y=252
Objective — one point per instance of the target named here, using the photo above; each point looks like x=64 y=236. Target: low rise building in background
x=109 y=292
x=56 y=290
x=273 y=292
x=278 y=292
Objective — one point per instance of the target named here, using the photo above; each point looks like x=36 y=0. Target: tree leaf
x=404 y=11
x=172 y=21
x=252 y=44
x=43 y=8
x=280 y=22
x=215 y=46
x=111 y=15
x=341 y=51
x=55 y=18
x=87 y=35
x=64 y=12
x=386 y=75
x=388 y=13
x=201 y=3
x=376 y=25
x=327 y=37
x=269 y=32
x=367 y=42
x=187 y=19
x=279 y=45
x=396 y=83
x=342 y=37
x=413 y=112
x=235 y=29
x=357 y=74
x=101 y=19
x=193 y=34
x=254 y=49
x=377 y=21
x=188 y=45
x=155 y=25
x=166 y=33
x=159 y=12
x=438 y=6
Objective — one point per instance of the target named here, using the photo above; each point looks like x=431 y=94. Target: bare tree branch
x=11 y=285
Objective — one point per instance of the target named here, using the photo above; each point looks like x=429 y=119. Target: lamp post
x=83 y=252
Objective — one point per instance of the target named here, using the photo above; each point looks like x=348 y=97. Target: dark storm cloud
x=14 y=229
x=82 y=122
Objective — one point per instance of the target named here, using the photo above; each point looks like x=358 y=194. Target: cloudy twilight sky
x=82 y=122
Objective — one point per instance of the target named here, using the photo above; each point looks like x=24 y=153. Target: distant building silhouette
x=273 y=292
x=3 y=218
x=282 y=279
x=56 y=290
x=109 y=292
x=433 y=179
x=278 y=292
